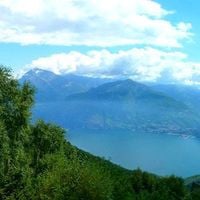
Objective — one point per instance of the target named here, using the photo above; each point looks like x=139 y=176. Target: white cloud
x=140 y=64
x=89 y=22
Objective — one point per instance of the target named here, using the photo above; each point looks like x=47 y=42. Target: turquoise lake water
x=162 y=154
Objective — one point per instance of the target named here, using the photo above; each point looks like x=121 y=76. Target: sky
x=145 y=40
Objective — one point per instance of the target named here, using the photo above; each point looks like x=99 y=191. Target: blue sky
x=140 y=39
x=188 y=11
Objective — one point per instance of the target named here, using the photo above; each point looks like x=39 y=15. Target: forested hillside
x=37 y=162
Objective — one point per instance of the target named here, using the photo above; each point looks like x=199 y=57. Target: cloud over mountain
x=141 y=64
x=143 y=25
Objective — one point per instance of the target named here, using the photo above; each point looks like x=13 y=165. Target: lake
x=162 y=154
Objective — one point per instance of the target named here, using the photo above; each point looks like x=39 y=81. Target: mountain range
x=77 y=102
x=188 y=94
x=52 y=87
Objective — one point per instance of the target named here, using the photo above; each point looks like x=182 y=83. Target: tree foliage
x=36 y=162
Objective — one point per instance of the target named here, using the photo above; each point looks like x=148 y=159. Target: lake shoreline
x=162 y=154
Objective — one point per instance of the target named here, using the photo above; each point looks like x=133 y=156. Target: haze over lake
x=157 y=153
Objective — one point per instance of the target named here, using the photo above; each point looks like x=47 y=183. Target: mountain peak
x=117 y=90
x=38 y=74
x=38 y=71
x=127 y=84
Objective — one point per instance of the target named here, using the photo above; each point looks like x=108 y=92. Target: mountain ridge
x=53 y=87
x=90 y=103
x=121 y=89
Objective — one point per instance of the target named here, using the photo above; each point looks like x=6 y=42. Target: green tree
x=15 y=103
x=37 y=163
x=45 y=139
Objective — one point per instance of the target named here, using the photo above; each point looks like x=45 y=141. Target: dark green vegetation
x=193 y=184
x=36 y=162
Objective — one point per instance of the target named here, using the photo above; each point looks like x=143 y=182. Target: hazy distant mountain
x=121 y=105
x=53 y=87
x=190 y=95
